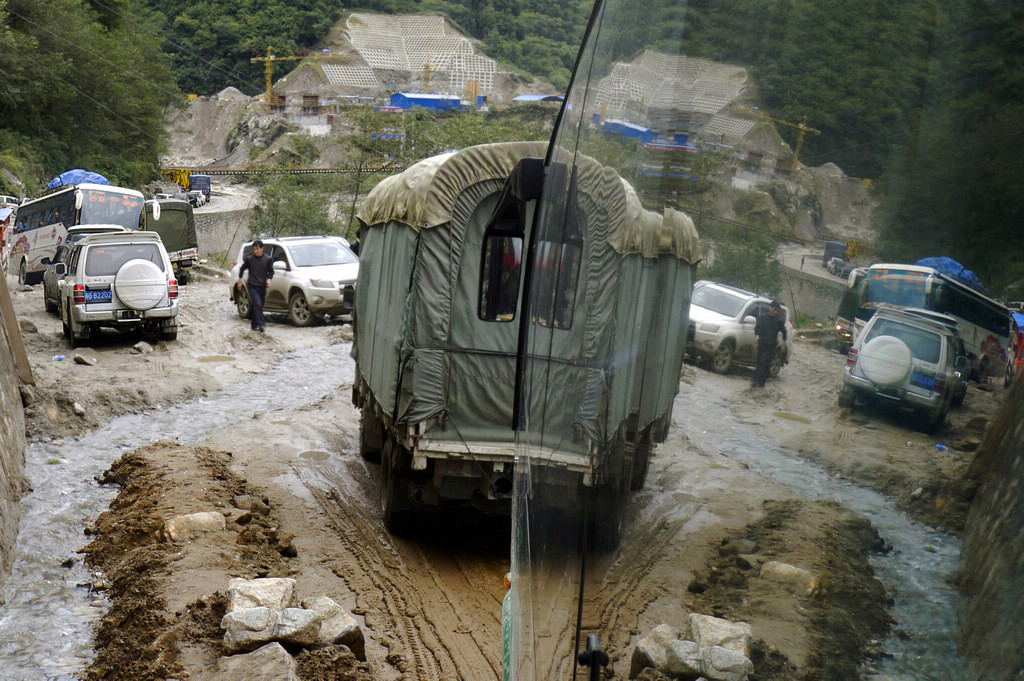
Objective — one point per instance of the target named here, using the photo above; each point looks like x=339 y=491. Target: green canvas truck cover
x=176 y=226
x=420 y=344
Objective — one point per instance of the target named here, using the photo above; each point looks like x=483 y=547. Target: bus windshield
x=104 y=206
x=895 y=287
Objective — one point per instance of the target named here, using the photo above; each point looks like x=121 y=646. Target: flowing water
x=46 y=624
x=919 y=568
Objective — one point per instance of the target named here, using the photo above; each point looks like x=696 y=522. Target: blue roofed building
x=407 y=100
x=614 y=126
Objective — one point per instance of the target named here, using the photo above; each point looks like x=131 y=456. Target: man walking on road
x=766 y=332
x=261 y=271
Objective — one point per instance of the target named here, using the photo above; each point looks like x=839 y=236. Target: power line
x=138 y=24
x=97 y=56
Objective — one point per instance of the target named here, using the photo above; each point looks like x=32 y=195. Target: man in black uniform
x=261 y=271
x=766 y=331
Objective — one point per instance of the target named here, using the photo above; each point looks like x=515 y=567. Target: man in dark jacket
x=261 y=271
x=766 y=332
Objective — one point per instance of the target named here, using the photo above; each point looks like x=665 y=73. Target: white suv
x=908 y=361
x=721 y=332
x=117 y=280
x=314 y=277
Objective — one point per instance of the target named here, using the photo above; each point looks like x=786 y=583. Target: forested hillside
x=896 y=91
x=80 y=85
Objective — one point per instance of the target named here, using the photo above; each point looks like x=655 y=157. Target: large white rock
x=269 y=663
x=247 y=629
x=684 y=660
x=721 y=664
x=803 y=582
x=297 y=626
x=715 y=631
x=183 y=527
x=337 y=625
x=276 y=593
x=652 y=649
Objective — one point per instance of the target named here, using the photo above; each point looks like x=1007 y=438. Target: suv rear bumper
x=82 y=315
x=895 y=395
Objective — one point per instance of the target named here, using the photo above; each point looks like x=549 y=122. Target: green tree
x=292 y=205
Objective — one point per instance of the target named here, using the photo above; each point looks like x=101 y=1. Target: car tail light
x=851 y=357
x=172 y=289
x=940 y=383
x=79 y=294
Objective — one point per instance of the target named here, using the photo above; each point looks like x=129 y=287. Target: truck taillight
x=79 y=294
x=940 y=383
x=851 y=357
x=172 y=289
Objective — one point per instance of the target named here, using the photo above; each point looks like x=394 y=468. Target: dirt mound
x=170 y=597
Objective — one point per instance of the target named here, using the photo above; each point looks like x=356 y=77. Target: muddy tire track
x=436 y=607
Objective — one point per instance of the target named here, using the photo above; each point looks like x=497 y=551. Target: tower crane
x=268 y=62
x=802 y=127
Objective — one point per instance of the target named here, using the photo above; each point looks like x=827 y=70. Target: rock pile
x=264 y=621
x=712 y=649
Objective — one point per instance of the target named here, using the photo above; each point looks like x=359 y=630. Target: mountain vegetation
x=80 y=86
x=922 y=97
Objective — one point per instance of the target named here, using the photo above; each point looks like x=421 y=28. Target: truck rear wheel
x=370 y=435
x=393 y=505
x=641 y=463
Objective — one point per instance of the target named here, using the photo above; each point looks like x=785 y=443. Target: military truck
x=440 y=325
x=175 y=222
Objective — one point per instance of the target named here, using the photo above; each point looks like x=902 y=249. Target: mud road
x=430 y=606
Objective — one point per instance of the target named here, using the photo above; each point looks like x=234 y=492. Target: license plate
x=98 y=296
x=922 y=380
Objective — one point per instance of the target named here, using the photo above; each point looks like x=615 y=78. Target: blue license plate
x=922 y=380
x=98 y=296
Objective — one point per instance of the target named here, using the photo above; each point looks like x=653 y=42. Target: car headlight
x=709 y=328
x=321 y=283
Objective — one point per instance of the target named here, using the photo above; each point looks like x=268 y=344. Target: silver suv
x=721 y=332
x=314 y=277
x=117 y=280
x=907 y=361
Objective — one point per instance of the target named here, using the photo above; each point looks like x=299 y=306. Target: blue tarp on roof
x=1018 y=319
x=76 y=176
x=5 y=213
x=947 y=265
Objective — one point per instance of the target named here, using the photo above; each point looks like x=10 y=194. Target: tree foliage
x=82 y=88
x=212 y=42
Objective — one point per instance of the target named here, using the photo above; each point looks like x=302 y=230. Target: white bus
x=983 y=323
x=42 y=223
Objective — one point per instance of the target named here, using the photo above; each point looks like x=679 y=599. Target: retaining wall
x=222 y=232
x=811 y=296
x=991 y=636
x=12 y=454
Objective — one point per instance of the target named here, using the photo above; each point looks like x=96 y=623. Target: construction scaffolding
x=674 y=93
x=415 y=45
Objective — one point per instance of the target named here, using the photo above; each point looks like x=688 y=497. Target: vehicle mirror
x=280 y=265
x=78 y=199
x=750 y=319
x=61 y=269
x=156 y=210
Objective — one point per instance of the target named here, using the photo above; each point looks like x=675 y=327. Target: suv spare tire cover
x=140 y=284
x=885 y=360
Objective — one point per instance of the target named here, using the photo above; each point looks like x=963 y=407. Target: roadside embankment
x=12 y=447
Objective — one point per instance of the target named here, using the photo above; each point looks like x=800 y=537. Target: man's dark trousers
x=256 y=296
x=764 y=360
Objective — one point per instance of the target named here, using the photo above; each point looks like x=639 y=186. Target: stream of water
x=919 y=568
x=46 y=624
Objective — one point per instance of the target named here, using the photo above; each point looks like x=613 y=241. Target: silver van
x=117 y=280
x=905 y=361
